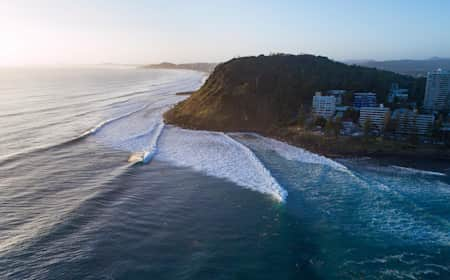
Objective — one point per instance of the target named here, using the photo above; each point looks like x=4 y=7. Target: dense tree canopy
x=257 y=93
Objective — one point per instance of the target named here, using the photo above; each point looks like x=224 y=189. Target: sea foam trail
x=92 y=131
x=102 y=124
x=417 y=171
x=287 y=151
x=147 y=155
x=218 y=155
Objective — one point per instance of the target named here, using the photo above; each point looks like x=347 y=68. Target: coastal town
x=398 y=118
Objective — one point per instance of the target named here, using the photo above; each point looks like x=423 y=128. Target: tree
x=347 y=99
x=310 y=124
x=387 y=120
x=414 y=132
x=337 y=126
x=320 y=121
x=367 y=127
x=436 y=128
x=329 y=127
x=302 y=116
x=390 y=124
x=351 y=114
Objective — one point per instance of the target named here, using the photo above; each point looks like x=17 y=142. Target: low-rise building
x=349 y=128
x=324 y=106
x=340 y=111
x=376 y=115
x=445 y=127
x=445 y=131
x=411 y=122
x=364 y=99
x=397 y=94
x=338 y=93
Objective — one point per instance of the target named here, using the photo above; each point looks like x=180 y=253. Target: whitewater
x=94 y=185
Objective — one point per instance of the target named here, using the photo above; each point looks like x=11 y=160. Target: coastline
x=341 y=147
x=264 y=95
x=346 y=146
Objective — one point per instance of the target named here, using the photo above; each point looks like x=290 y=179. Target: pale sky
x=138 y=31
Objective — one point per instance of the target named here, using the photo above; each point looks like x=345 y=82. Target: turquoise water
x=206 y=205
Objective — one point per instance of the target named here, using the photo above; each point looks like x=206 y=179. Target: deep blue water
x=206 y=205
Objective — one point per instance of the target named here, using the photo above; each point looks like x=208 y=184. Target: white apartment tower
x=376 y=115
x=411 y=122
x=437 y=91
x=324 y=106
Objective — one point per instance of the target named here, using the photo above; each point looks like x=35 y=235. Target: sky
x=47 y=32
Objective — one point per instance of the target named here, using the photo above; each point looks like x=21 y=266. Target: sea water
x=194 y=204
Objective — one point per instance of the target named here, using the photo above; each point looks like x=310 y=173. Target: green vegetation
x=272 y=95
x=266 y=92
x=390 y=125
x=366 y=128
x=333 y=127
x=355 y=146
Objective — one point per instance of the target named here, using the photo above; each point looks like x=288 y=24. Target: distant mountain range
x=203 y=67
x=416 y=68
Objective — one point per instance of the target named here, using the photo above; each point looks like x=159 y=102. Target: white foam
x=417 y=171
x=151 y=152
x=163 y=102
x=218 y=155
x=150 y=147
x=290 y=152
x=102 y=124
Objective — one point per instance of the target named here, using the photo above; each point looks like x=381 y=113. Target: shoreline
x=331 y=147
x=409 y=159
x=342 y=147
x=348 y=147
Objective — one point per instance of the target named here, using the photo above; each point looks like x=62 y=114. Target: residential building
x=445 y=127
x=364 y=99
x=338 y=93
x=437 y=91
x=349 y=128
x=376 y=115
x=397 y=94
x=411 y=122
x=340 y=111
x=324 y=106
x=445 y=131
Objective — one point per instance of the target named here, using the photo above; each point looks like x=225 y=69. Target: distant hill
x=263 y=92
x=203 y=67
x=416 y=68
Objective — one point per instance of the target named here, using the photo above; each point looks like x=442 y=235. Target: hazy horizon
x=50 y=32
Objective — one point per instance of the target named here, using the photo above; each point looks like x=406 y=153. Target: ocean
x=93 y=185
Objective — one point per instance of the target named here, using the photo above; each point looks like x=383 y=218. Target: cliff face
x=265 y=92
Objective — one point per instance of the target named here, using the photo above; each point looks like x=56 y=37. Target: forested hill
x=257 y=93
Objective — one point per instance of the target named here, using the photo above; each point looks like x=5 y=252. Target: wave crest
x=287 y=151
x=218 y=155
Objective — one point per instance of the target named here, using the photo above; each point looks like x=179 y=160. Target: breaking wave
x=218 y=155
x=287 y=151
x=102 y=124
x=147 y=155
